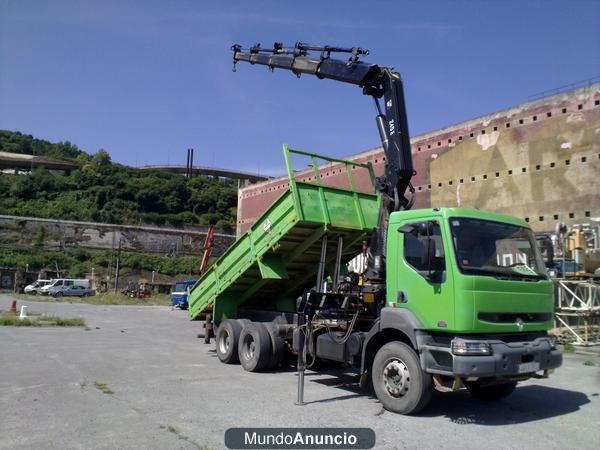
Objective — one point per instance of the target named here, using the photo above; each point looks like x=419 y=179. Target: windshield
x=499 y=249
x=180 y=287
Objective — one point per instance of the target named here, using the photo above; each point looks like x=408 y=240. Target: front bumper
x=177 y=300
x=508 y=359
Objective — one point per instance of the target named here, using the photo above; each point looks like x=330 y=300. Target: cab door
x=424 y=282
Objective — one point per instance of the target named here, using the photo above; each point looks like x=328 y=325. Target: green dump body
x=271 y=264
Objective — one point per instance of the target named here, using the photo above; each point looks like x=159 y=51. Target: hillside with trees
x=103 y=191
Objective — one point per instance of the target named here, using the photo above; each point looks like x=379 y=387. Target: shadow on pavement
x=526 y=404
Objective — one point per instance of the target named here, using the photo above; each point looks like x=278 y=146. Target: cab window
x=423 y=247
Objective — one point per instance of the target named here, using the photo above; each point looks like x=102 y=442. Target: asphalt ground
x=139 y=377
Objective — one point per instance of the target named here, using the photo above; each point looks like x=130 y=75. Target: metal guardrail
x=565 y=88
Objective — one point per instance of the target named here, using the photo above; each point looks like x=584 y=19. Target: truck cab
x=467 y=271
x=180 y=292
x=467 y=290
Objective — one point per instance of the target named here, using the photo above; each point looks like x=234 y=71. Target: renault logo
x=519 y=324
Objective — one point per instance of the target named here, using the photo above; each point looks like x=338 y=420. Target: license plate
x=528 y=367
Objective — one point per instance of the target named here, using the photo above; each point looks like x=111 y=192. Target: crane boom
x=375 y=81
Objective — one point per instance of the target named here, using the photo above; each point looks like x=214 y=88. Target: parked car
x=136 y=290
x=71 y=291
x=34 y=287
x=64 y=282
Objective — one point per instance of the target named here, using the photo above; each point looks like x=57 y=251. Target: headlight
x=462 y=347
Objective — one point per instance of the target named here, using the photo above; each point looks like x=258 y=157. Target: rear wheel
x=207 y=329
x=278 y=353
x=227 y=338
x=490 y=393
x=399 y=383
x=254 y=347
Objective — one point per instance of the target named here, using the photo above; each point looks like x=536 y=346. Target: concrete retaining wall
x=59 y=234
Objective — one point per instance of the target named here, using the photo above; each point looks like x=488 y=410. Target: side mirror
x=422 y=228
x=406 y=229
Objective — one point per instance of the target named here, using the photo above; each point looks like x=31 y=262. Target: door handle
x=402 y=297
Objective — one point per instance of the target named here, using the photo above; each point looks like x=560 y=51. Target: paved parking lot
x=140 y=378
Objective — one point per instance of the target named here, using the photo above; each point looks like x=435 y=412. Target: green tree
x=107 y=192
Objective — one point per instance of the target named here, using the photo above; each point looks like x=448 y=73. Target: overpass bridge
x=20 y=161
x=211 y=171
x=25 y=162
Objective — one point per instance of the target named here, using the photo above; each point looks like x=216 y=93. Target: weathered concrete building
x=539 y=161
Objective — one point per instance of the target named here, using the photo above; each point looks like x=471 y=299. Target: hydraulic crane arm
x=375 y=81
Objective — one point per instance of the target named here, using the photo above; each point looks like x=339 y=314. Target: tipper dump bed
x=273 y=262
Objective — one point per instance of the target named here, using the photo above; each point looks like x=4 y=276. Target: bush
x=77 y=262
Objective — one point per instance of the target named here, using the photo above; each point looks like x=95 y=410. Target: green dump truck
x=450 y=297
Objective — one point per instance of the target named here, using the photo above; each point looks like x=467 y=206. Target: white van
x=35 y=287
x=64 y=282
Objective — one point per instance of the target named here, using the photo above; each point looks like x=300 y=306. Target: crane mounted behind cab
x=450 y=296
x=377 y=82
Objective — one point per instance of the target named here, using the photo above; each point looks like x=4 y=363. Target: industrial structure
x=539 y=161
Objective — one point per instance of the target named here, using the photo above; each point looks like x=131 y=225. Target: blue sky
x=148 y=79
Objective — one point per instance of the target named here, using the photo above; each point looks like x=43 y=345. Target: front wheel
x=399 y=383
x=490 y=393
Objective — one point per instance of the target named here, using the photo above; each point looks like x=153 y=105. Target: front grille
x=520 y=337
x=512 y=317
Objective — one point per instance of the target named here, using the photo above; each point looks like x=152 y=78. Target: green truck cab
x=468 y=292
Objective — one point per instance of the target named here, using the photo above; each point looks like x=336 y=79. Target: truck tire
x=278 y=353
x=490 y=393
x=208 y=327
x=398 y=380
x=254 y=347
x=228 y=335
